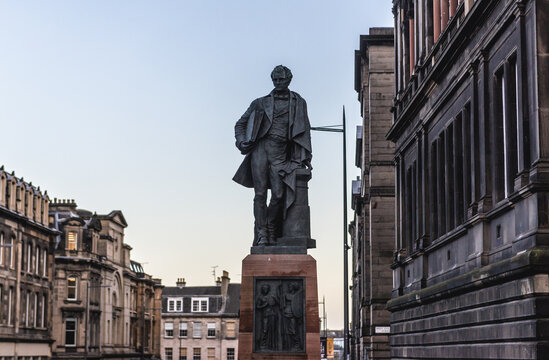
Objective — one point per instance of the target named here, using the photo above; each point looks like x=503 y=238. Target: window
x=44 y=263
x=37 y=261
x=71 y=288
x=196 y=353
x=197 y=330
x=230 y=353
x=35 y=303
x=211 y=329
x=200 y=304
x=10 y=296
x=71 y=240
x=183 y=354
x=43 y=312
x=29 y=258
x=183 y=329
x=175 y=304
x=168 y=329
x=10 y=253
x=169 y=353
x=2 y=248
x=70 y=332
x=27 y=307
x=211 y=353
x=231 y=330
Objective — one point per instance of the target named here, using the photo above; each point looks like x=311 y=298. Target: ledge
x=523 y=264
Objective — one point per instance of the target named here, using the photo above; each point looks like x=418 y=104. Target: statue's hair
x=281 y=68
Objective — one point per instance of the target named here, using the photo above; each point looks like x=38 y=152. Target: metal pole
x=87 y=320
x=345 y=248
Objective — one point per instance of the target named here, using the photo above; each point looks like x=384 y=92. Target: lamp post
x=342 y=129
x=88 y=286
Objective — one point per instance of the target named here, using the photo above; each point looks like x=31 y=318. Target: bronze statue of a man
x=274 y=134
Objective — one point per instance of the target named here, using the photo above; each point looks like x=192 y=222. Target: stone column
x=443 y=14
x=453 y=7
x=411 y=34
x=436 y=20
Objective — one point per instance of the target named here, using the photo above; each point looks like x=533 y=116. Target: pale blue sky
x=130 y=105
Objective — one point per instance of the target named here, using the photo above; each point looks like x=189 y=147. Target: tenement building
x=372 y=230
x=104 y=304
x=26 y=243
x=201 y=322
x=471 y=129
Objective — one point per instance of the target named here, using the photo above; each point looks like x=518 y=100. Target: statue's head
x=281 y=76
x=265 y=289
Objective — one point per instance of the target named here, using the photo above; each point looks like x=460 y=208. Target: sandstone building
x=104 y=305
x=372 y=230
x=471 y=129
x=26 y=243
x=201 y=322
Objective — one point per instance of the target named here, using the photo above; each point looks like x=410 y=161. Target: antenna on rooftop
x=213 y=272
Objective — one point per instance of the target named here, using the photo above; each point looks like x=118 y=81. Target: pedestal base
x=273 y=269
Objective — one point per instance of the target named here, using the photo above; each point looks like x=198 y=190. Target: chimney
x=225 y=283
x=218 y=281
x=181 y=282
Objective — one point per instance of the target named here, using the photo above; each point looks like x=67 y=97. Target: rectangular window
x=231 y=330
x=171 y=305
x=10 y=296
x=35 y=303
x=211 y=329
x=197 y=330
x=230 y=353
x=211 y=353
x=500 y=164
x=71 y=288
x=168 y=329
x=27 y=309
x=44 y=263
x=199 y=304
x=29 y=258
x=183 y=329
x=71 y=240
x=43 y=312
x=70 y=332
x=37 y=261
x=182 y=353
x=179 y=305
x=169 y=353
x=2 y=248
x=10 y=252
x=196 y=353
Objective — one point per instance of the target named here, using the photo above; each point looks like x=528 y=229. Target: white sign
x=382 y=329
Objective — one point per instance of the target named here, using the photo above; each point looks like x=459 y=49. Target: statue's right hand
x=245 y=146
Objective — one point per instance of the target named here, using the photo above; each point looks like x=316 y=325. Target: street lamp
x=88 y=286
x=342 y=129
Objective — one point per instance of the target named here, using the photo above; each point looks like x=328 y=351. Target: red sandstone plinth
x=267 y=265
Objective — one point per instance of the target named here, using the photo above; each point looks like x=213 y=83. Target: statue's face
x=280 y=81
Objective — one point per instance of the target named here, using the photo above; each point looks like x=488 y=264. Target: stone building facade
x=105 y=305
x=471 y=128
x=201 y=322
x=26 y=243
x=372 y=230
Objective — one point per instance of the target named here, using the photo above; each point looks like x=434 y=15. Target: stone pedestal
x=279 y=308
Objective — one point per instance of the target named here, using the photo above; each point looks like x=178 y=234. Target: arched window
x=72 y=288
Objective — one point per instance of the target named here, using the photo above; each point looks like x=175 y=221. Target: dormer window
x=175 y=305
x=71 y=240
x=200 y=304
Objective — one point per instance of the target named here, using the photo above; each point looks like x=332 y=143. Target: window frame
x=183 y=326
x=73 y=331
x=168 y=326
x=73 y=241
x=197 y=327
x=200 y=302
x=211 y=326
x=75 y=286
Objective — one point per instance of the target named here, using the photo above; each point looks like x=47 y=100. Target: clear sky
x=130 y=105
